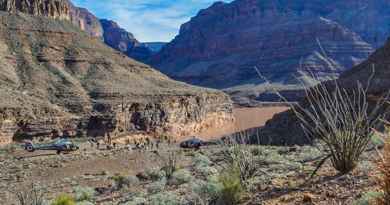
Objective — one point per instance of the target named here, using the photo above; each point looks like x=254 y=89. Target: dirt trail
x=246 y=118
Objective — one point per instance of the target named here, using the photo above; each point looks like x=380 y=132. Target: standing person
x=147 y=143
x=109 y=139
x=158 y=144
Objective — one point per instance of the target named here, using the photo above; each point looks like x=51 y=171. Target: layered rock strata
x=56 y=77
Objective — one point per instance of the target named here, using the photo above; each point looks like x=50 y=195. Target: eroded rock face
x=55 y=77
x=58 y=9
x=88 y=22
x=285 y=40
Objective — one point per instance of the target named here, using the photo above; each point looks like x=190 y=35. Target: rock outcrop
x=56 y=77
x=285 y=40
x=124 y=41
x=88 y=22
x=58 y=9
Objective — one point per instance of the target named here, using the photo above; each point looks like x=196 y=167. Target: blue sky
x=148 y=20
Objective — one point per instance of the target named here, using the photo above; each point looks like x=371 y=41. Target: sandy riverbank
x=246 y=118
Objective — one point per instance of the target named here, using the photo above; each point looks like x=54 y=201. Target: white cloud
x=148 y=20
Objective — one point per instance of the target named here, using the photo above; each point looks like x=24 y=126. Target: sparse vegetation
x=165 y=198
x=368 y=198
x=180 y=176
x=231 y=186
x=120 y=182
x=31 y=195
x=342 y=121
x=170 y=163
x=84 y=194
x=64 y=199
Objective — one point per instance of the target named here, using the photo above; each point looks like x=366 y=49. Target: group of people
x=137 y=144
x=148 y=144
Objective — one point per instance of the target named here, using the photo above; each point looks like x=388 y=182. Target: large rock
x=54 y=77
x=286 y=40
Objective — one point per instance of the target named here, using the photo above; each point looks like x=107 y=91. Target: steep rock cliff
x=87 y=22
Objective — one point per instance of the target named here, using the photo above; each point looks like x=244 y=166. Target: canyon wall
x=289 y=42
x=55 y=77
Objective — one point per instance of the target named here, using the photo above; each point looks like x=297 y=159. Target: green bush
x=202 y=164
x=64 y=199
x=368 y=198
x=231 y=186
x=180 y=176
x=201 y=160
x=137 y=201
x=84 y=193
x=166 y=198
x=208 y=191
x=157 y=186
x=121 y=182
x=155 y=174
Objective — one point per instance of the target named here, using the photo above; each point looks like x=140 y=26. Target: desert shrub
x=201 y=160
x=63 y=199
x=242 y=159
x=170 y=163
x=157 y=186
x=165 y=198
x=206 y=170
x=121 y=182
x=342 y=120
x=384 y=167
x=8 y=149
x=208 y=191
x=180 y=176
x=136 y=201
x=155 y=174
x=31 y=195
x=202 y=164
x=231 y=186
x=368 y=198
x=84 y=193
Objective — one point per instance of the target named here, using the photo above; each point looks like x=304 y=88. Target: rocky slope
x=55 y=77
x=285 y=127
x=286 y=40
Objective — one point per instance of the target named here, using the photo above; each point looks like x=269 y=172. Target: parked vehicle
x=192 y=143
x=61 y=145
